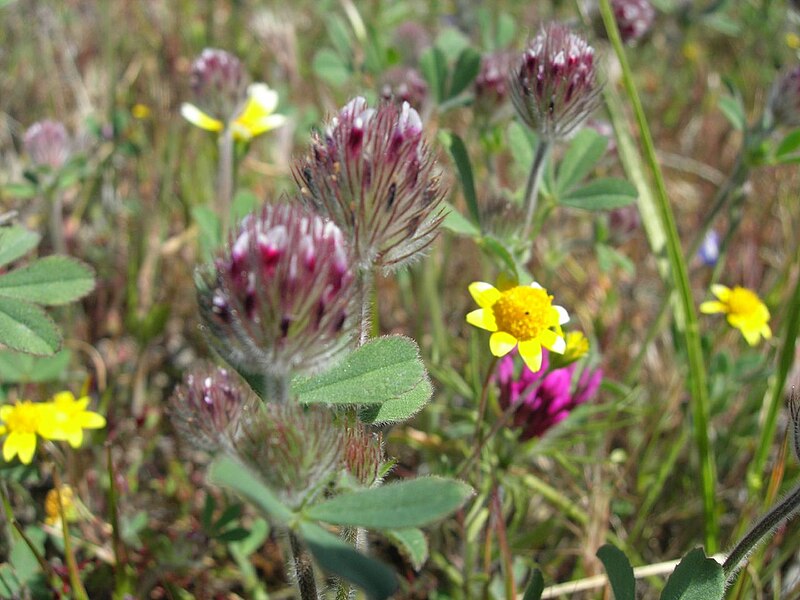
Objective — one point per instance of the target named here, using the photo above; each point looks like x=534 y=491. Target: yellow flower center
x=743 y=302
x=524 y=312
x=24 y=418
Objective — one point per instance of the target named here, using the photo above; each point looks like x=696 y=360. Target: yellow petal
x=262 y=97
x=92 y=420
x=752 y=337
x=482 y=318
x=75 y=437
x=64 y=397
x=26 y=447
x=501 y=343
x=531 y=353
x=553 y=342
x=712 y=306
x=5 y=410
x=197 y=117
x=720 y=291
x=563 y=315
x=766 y=332
x=261 y=125
x=484 y=294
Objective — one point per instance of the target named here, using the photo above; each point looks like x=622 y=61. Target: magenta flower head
x=634 y=18
x=554 y=85
x=372 y=174
x=280 y=299
x=543 y=399
x=491 y=84
x=784 y=99
x=404 y=84
x=219 y=83
x=48 y=144
x=206 y=408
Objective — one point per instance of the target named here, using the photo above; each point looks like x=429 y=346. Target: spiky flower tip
x=543 y=399
x=784 y=99
x=491 y=83
x=280 y=299
x=404 y=84
x=48 y=144
x=297 y=450
x=372 y=173
x=223 y=98
x=205 y=409
x=554 y=85
x=634 y=18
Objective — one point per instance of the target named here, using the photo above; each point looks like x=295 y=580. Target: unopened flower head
x=363 y=454
x=224 y=98
x=784 y=99
x=372 y=173
x=577 y=346
x=296 y=449
x=206 y=408
x=69 y=418
x=634 y=18
x=280 y=300
x=543 y=399
x=746 y=312
x=492 y=83
x=404 y=84
x=554 y=85
x=48 y=144
x=52 y=506
x=522 y=316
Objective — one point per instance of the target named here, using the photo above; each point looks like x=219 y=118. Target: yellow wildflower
x=746 y=312
x=577 y=348
x=140 y=111
x=256 y=116
x=69 y=418
x=22 y=422
x=521 y=316
x=51 y=509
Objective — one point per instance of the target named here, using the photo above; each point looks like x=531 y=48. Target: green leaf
x=259 y=531
x=789 y=145
x=24 y=368
x=337 y=557
x=619 y=571
x=521 y=143
x=244 y=202
x=433 y=65
x=451 y=42
x=496 y=248
x=601 y=194
x=27 y=328
x=458 y=151
x=10 y=586
x=410 y=503
x=16 y=242
x=330 y=67
x=586 y=148
x=209 y=228
x=399 y=409
x=383 y=369
x=235 y=534
x=411 y=543
x=535 y=586
x=51 y=281
x=227 y=472
x=20 y=191
x=506 y=28
x=458 y=223
x=608 y=258
x=466 y=70
x=695 y=578
x=733 y=110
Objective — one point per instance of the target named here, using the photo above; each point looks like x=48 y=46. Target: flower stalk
x=532 y=185
x=303 y=569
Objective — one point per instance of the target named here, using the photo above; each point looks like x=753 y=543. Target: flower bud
x=296 y=449
x=48 y=144
x=373 y=175
x=554 y=86
x=206 y=408
x=363 y=454
x=280 y=299
x=404 y=84
x=219 y=83
x=784 y=99
x=634 y=18
x=491 y=83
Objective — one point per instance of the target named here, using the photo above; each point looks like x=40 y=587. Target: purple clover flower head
x=411 y=39
x=554 y=84
x=206 y=408
x=280 y=299
x=48 y=144
x=363 y=454
x=491 y=84
x=543 y=399
x=219 y=83
x=404 y=84
x=708 y=253
x=784 y=99
x=634 y=18
x=373 y=174
x=624 y=221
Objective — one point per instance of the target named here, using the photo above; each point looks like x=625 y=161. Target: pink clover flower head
x=48 y=144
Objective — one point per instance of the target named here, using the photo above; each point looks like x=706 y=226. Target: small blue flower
x=709 y=250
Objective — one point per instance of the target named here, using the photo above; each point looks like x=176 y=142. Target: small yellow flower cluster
x=52 y=510
x=62 y=418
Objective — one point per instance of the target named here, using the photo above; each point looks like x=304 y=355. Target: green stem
x=480 y=442
x=532 y=186
x=366 y=285
x=684 y=310
x=78 y=591
x=303 y=569
x=57 y=223
x=225 y=179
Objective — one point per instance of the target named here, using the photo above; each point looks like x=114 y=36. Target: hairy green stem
x=532 y=186
x=684 y=310
x=366 y=285
x=57 y=223
x=303 y=569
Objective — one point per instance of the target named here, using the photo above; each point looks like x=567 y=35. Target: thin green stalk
x=532 y=186
x=303 y=569
x=78 y=591
x=502 y=543
x=685 y=309
x=57 y=222
x=480 y=441
x=121 y=581
x=225 y=179
x=366 y=285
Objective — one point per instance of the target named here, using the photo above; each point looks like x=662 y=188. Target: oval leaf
x=411 y=543
x=601 y=194
x=458 y=151
x=27 y=328
x=535 y=586
x=619 y=571
x=383 y=369
x=50 y=281
x=16 y=242
x=412 y=503
x=695 y=578
x=466 y=70
x=586 y=148
x=401 y=408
